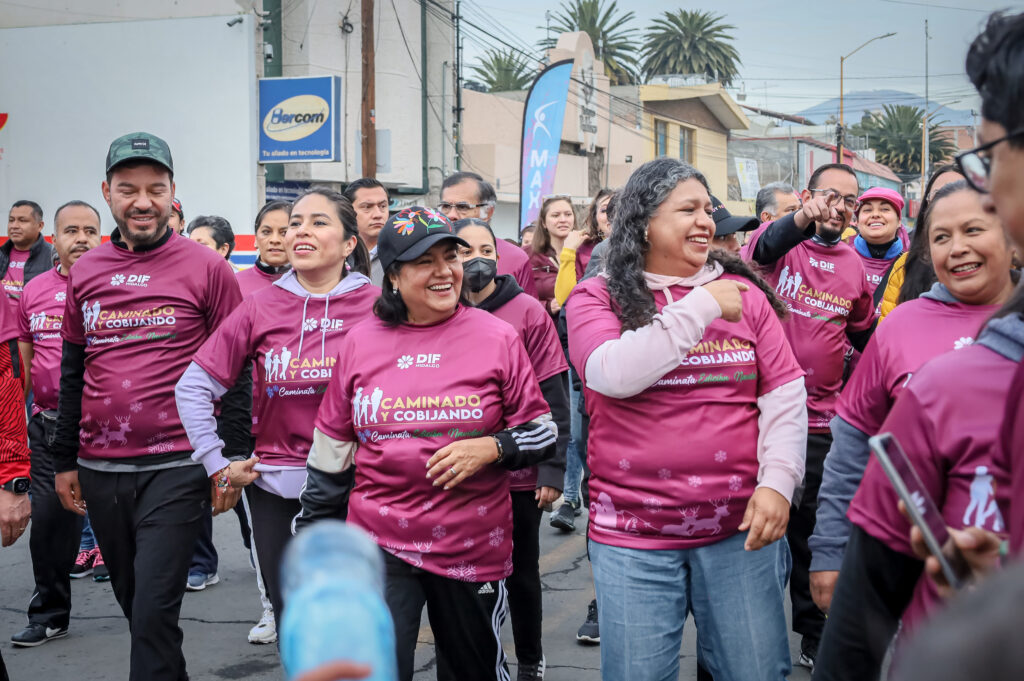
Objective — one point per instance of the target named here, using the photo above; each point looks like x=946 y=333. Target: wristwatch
x=16 y=485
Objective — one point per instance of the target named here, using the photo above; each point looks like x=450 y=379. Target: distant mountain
x=856 y=104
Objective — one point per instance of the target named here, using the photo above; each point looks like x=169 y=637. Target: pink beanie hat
x=889 y=195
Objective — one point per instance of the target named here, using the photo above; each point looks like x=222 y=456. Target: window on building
x=686 y=144
x=660 y=138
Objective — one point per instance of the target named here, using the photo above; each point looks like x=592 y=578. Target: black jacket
x=550 y=472
x=40 y=258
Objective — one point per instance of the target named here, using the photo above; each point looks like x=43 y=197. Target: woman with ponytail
x=674 y=341
x=292 y=331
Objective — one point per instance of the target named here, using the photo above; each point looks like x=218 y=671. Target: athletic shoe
x=562 y=518
x=99 y=568
x=590 y=632
x=808 y=651
x=265 y=630
x=531 y=672
x=36 y=635
x=197 y=581
x=83 y=564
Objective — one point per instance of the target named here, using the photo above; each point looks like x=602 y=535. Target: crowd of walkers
x=704 y=384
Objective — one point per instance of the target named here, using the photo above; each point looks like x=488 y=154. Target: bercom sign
x=298 y=119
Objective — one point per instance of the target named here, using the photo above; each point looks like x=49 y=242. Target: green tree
x=895 y=135
x=501 y=70
x=690 y=41
x=615 y=43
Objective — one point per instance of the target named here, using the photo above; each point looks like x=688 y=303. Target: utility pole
x=368 y=124
x=924 y=119
x=458 y=84
x=841 y=128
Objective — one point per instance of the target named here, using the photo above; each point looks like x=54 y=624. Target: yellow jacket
x=893 y=286
x=566 y=280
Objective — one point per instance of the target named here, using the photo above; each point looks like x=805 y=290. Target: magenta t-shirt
x=294 y=356
x=912 y=334
x=513 y=260
x=875 y=270
x=527 y=316
x=404 y=393
x=14 y=277
x=40 y=316
x=827 y=294
x=141 y=317
x=254 y=279
x=674 y=466
x=947 y=420
x=1010 y=485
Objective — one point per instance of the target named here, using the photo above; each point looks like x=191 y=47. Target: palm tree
x=614 y=42
x=895 y=135
x=501 y=70
x=690 y=41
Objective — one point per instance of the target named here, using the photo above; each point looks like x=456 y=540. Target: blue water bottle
x=333 y=583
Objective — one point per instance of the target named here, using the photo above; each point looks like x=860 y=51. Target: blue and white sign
x=299 y=119
x=542 y=136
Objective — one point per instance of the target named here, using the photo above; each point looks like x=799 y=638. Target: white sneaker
x=265 y=630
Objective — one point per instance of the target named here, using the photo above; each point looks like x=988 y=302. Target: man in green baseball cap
x=140 y=188
x=138 y=308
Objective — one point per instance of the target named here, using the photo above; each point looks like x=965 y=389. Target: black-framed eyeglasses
x=461 y=207
x=850 y=200
x=977 y=169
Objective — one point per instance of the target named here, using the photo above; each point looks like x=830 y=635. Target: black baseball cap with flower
x=410 y=232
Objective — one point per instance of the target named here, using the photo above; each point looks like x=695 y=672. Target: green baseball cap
x=139 y=145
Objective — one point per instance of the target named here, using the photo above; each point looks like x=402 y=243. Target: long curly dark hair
x=645 y=191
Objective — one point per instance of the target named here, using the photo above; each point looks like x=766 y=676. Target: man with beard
x=137 y=310
x=822 y=281
x=55 y=532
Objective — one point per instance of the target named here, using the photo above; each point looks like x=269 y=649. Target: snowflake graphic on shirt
x=136 y=407
x=721 y=455
x=664 y=473
x=481 y=510
x=463 y=571
x=694 y=481
x=126 y=383
x=403 y=523
x=735 y=483
x=624 y=464
x=438 y=531
x=963 y=342
x=496 y=536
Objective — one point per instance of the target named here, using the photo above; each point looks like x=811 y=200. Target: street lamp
x=842 y=127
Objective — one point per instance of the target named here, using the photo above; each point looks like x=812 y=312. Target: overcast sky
x=790 y=50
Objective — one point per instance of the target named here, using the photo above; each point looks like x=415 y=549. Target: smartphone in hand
x=921 y=508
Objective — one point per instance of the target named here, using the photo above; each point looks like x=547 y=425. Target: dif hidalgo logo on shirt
x=421 y=361
x=296 y=117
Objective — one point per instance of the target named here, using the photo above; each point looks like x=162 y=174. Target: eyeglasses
x=976 y=168
x=850 y=200
x=460 y=208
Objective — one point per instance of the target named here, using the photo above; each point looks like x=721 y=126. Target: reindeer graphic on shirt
x=692 y=525
x=117 y=435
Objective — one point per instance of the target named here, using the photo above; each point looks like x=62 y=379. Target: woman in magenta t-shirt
x=556 y=219
x=946 y=414
x=881 y=236
x=697 y=437
x=536 y=487
x=272 y=262
x=431 y=406
x=292 y=332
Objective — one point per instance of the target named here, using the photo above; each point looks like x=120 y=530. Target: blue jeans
x=88 y=542
x=576 y=452
x=736 y=597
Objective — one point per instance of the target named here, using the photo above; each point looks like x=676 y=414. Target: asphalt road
x=217 y=620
